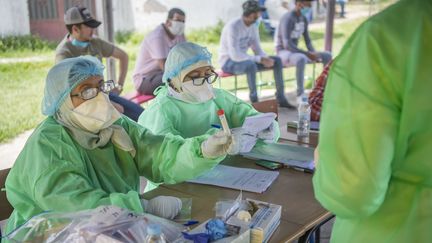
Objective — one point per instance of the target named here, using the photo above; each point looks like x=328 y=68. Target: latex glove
x=163 y=206
x=268 y=135
x=220 y=144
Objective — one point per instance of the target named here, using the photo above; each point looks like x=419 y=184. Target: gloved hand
x=220 y=144
x=163 y=206
x=268 y=135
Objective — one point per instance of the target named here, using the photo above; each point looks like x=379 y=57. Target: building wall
x=199 y=14
x=51 y=26
x=10 y=24
x=122 y=16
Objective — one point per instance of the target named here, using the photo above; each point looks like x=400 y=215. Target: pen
x=303 y=169
x=216 y=126
x=221 y=114
x=191 y=222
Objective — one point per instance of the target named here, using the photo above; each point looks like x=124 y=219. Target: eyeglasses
x=90 y=93
x=209 y=79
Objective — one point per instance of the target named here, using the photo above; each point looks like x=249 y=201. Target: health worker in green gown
x=375 y=147
x=187 y=105
x=86 y=154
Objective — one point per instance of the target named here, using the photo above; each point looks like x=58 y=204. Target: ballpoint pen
x=191 y=222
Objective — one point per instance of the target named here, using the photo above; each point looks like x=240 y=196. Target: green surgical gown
x=167 y=115
x=53 y=172
x=375 y=145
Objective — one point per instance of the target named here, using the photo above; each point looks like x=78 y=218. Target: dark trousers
x=131 y=110
x=250 y=68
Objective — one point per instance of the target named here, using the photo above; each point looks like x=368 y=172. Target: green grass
x=22 y=86
x=23 y=83
x=24 y=44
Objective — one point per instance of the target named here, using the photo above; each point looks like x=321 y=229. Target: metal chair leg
x=313 y=72
x=260 y=82
x=235 y=85
x=307 y=236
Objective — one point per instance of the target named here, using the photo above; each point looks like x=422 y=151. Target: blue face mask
x=78 y=43
x=258 y=22
x=305 y=11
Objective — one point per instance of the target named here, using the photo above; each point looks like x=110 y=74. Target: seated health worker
x=86 y=154
x=187 y=105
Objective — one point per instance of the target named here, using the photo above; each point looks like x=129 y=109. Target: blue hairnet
x=64 y=77
x=182 y=56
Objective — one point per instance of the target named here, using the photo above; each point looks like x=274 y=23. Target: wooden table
x=289 y=134
x=292 y=189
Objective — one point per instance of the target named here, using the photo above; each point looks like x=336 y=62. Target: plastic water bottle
x=304 y=112
x=154 y=234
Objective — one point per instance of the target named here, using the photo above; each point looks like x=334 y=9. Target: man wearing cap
x=154 y=50
x=237 y=37
x=80 y=41
x=292 y=26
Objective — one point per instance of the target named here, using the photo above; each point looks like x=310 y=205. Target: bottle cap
x=153 y=229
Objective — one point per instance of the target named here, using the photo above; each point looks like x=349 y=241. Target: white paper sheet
x=238 y=178
x=255 y=124
x=251 y=127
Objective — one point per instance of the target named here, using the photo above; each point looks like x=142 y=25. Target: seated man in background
x=237 y=37
x=154 y=50
x=86 y=154
x=80 y=41
x=292 y=26
x=187 y=105
x=317 y=94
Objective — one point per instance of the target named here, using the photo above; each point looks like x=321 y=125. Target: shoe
x=253 y=99
x=286 y=104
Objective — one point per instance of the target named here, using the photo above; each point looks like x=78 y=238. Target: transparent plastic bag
x=103 y=224
x=225 y=208
x=185 y=213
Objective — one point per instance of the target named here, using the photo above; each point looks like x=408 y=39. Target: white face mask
x=194 y=94
x=95 y=114
x=177 y=27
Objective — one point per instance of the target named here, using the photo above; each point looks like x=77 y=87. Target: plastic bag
x=103 y=224
x=225 y=208
x=185 y=212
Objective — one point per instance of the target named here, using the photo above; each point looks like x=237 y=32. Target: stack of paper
x=291 y=155
x=251 y=127
x=257 y=123
x=238 y=178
